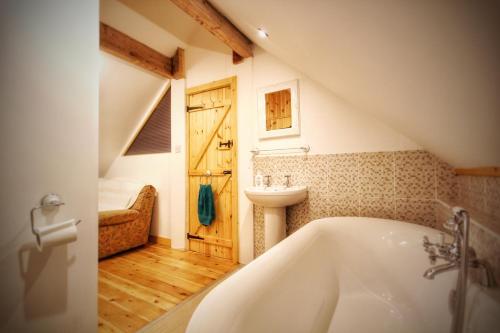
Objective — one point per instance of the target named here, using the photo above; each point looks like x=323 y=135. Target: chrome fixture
x=459 y=256
x=49 y=201
x=287 y=180
x=267 y=180
x=257 y=151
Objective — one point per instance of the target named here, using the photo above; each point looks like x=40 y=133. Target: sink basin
x=276 y=196
x=275 y=199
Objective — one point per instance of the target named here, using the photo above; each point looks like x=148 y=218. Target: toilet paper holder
x=50 y=200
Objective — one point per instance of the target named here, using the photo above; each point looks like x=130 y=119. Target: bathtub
x=343 y=274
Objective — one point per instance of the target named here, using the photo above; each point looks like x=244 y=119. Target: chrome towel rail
x=256 y=151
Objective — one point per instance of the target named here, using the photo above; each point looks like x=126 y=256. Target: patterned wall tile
x=471 y=193
x=343 y=205
x=399 y=185
x=492 y=198
x=258 y=222
x=442 y=214
x=297 y=216
x=381 y=207
x=376 y=173
x=477 y=185
x=415 y=175
x=314 y=175
x=446 y=182
x=416 y=211
x=343 y=174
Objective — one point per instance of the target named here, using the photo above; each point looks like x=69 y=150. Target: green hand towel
x=206 y=206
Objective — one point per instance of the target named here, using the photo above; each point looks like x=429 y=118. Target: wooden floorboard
x=140 y=285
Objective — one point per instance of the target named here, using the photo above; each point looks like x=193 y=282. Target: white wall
x=328 y=124
x=48 y=139
x=178 y=165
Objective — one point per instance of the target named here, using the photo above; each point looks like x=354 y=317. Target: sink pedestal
x=275 y=199
x=274 y=226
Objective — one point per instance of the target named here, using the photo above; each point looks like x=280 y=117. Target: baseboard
x=160 y=240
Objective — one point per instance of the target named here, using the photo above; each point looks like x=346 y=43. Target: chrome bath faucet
x=459 y=256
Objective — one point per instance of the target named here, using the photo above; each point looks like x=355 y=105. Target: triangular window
x=155 y=136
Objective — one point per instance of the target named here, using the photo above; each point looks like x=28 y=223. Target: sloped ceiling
x=125 y=96
x=127 y=92
x=428 y=68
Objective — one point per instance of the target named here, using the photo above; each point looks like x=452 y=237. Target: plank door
x=211 y=142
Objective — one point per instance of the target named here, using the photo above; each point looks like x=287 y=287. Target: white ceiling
x=171 y=18
x=428 y=68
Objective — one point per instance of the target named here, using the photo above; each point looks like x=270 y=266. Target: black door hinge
x=189 y=236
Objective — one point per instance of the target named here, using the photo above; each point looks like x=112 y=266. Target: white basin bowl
x=276 y=196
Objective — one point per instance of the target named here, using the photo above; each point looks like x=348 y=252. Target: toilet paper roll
x=56 y=234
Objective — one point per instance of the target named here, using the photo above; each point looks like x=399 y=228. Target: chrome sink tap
x=287 y=180
x=267 y=181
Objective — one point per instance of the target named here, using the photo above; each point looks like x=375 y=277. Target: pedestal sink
x=275 y=199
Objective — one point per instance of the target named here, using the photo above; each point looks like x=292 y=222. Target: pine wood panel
x=278 y=110
x=485 y=171
x=140 y=285
x=211 y=119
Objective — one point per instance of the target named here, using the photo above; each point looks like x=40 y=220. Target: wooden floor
x=140 y=285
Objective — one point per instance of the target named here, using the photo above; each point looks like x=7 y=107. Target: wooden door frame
x=232 y=83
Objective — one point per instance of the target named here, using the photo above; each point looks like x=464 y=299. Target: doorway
x=211 y=159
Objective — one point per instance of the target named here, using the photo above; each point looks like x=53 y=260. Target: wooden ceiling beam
x=219 y=26
x=122 y=46
x=179 y=64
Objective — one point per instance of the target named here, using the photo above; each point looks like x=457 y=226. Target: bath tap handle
x=451 y=225
x=432 y=255
x=426 y=243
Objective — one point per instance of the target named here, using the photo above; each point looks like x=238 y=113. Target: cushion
x=112 y=217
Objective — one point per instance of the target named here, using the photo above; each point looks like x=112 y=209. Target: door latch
x=228 y=144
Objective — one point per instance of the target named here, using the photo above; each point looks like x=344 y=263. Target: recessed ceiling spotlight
x=262 y=33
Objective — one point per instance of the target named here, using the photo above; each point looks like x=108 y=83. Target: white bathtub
x=336 y=275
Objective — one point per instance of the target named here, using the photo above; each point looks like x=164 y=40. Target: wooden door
x=211 y=142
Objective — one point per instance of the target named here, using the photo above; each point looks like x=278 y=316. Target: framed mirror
x=278 y=110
